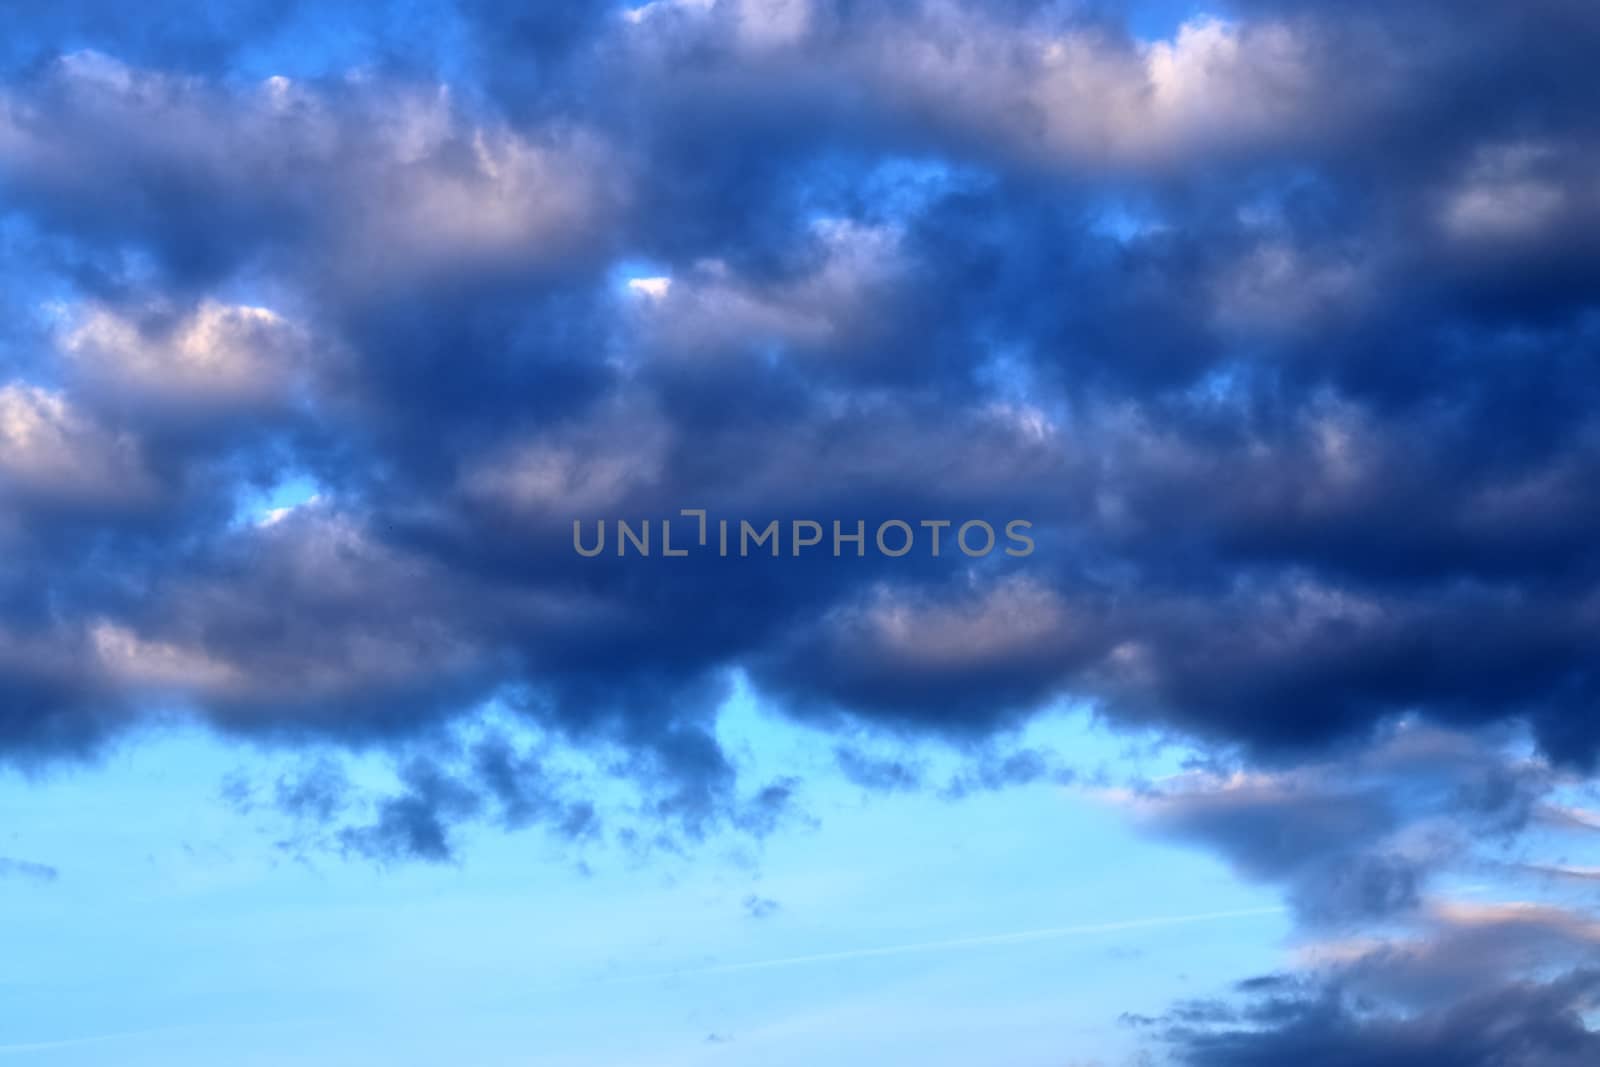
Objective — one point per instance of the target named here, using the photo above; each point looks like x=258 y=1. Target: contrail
x=92 y=1039
x=20 y=1048
x=981 y=941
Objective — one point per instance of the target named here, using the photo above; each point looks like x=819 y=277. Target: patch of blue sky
x=1162 y=20
x=1017 y=923
x=1123 y=219
x=259 y=505
x=344 y=40
x=901 y=187
x=632 y=275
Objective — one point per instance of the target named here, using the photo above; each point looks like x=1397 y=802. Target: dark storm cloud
x=1481 y=985
x=1532 y=1023
x=1294 y=373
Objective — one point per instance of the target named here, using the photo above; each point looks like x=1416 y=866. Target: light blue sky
x=188 y=932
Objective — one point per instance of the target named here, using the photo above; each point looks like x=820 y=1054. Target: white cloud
x=50 y=449
x=218 y=356
x=710 y=309
x=1508 y=193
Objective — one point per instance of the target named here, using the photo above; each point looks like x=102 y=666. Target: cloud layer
x=1278 y=325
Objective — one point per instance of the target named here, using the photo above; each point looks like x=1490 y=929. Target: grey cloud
x=1477 y=984
x=1538 y=1024
x=416 y=823
x=1265 y=385
x=1359 y=837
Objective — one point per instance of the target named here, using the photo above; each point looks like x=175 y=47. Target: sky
x=1260 y=337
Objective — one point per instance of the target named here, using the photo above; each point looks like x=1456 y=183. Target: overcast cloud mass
x=1278 y=320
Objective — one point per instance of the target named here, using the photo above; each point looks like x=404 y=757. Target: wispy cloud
x=27 y=870
x=1015 y=937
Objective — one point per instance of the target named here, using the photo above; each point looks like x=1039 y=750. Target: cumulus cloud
x=829 y=303
x=356 y=179
x=216 y=360
x=1363 y=836
x=1279 y=328
x=50 y=449
x=1506 y=984
x=1291 y=369
x=1272 y=438
x=1537 y=1022
x=1037 y=88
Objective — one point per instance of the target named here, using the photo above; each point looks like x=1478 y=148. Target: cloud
x=970 y=943
x=356 y=181
x=1535 y=1022
x=54 y=453
x=1252 y=344
x=216 y=360
x=1043 y=88
x=1506 y=984
x=1291 y=369
x=27 y=871
x=760 y=907
x=415 y=823
x=1361 y=836
x=427 y=795
x=1401 y=861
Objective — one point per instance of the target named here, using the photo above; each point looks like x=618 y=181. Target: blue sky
x=1033 y=915
x=1259 y=338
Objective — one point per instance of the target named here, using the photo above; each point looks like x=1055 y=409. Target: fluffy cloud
x=50 y=449
x=1363 y=836
x=216 y=360
x=1271 y=433
x=1484 y=985
x=1279 y=328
